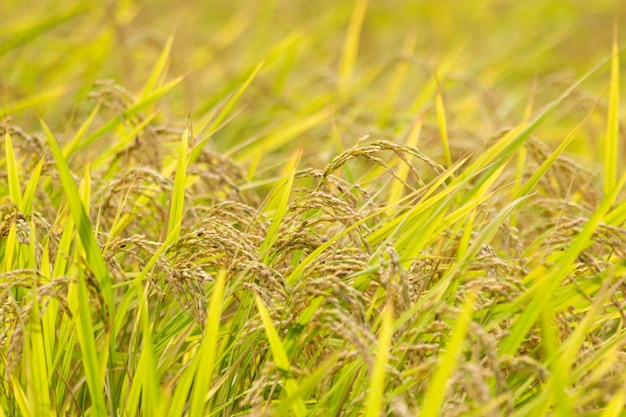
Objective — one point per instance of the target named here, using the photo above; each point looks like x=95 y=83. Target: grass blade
x=36 y=100
x=377 y=390
x=443 y=128
x=207 y=353
x=397 y=79
x=12 y=171
x=23 y=35
x=305 y=386
x=351 y=47
x=177 y=206
x=159 y=69
x=146 y=378
x=89 y=352
x=20 y=397
x=38 y=389
x=437 y=386
x=611 y=143
x=84 y=327
x=73 y=144
x=85 y=230
x=280 y=357
x=235 y=98
x=10 y=249
x=279 y=200
x=281 y=136
x=398 y=187
x=31 y=188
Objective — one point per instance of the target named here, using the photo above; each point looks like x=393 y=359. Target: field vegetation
x=331 y=208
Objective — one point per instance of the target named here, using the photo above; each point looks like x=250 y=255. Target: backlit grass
x=312 y=208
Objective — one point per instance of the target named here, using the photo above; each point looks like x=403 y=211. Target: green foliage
x=312 y=208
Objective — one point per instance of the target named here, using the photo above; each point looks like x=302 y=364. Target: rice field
x=273 y=208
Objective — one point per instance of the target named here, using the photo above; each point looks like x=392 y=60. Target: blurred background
x=491 y=57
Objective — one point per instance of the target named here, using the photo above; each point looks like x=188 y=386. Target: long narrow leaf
x=85 y=230
x=280 y=356
x=443 y=127
x=177 y=206
x=438 y=383
x=351 y=45
x=279 y=199
x=611 y=143
x=208 y=349
x=376 y=391
x=12 y=171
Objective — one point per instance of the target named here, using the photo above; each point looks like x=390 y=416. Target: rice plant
x=312 y=208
